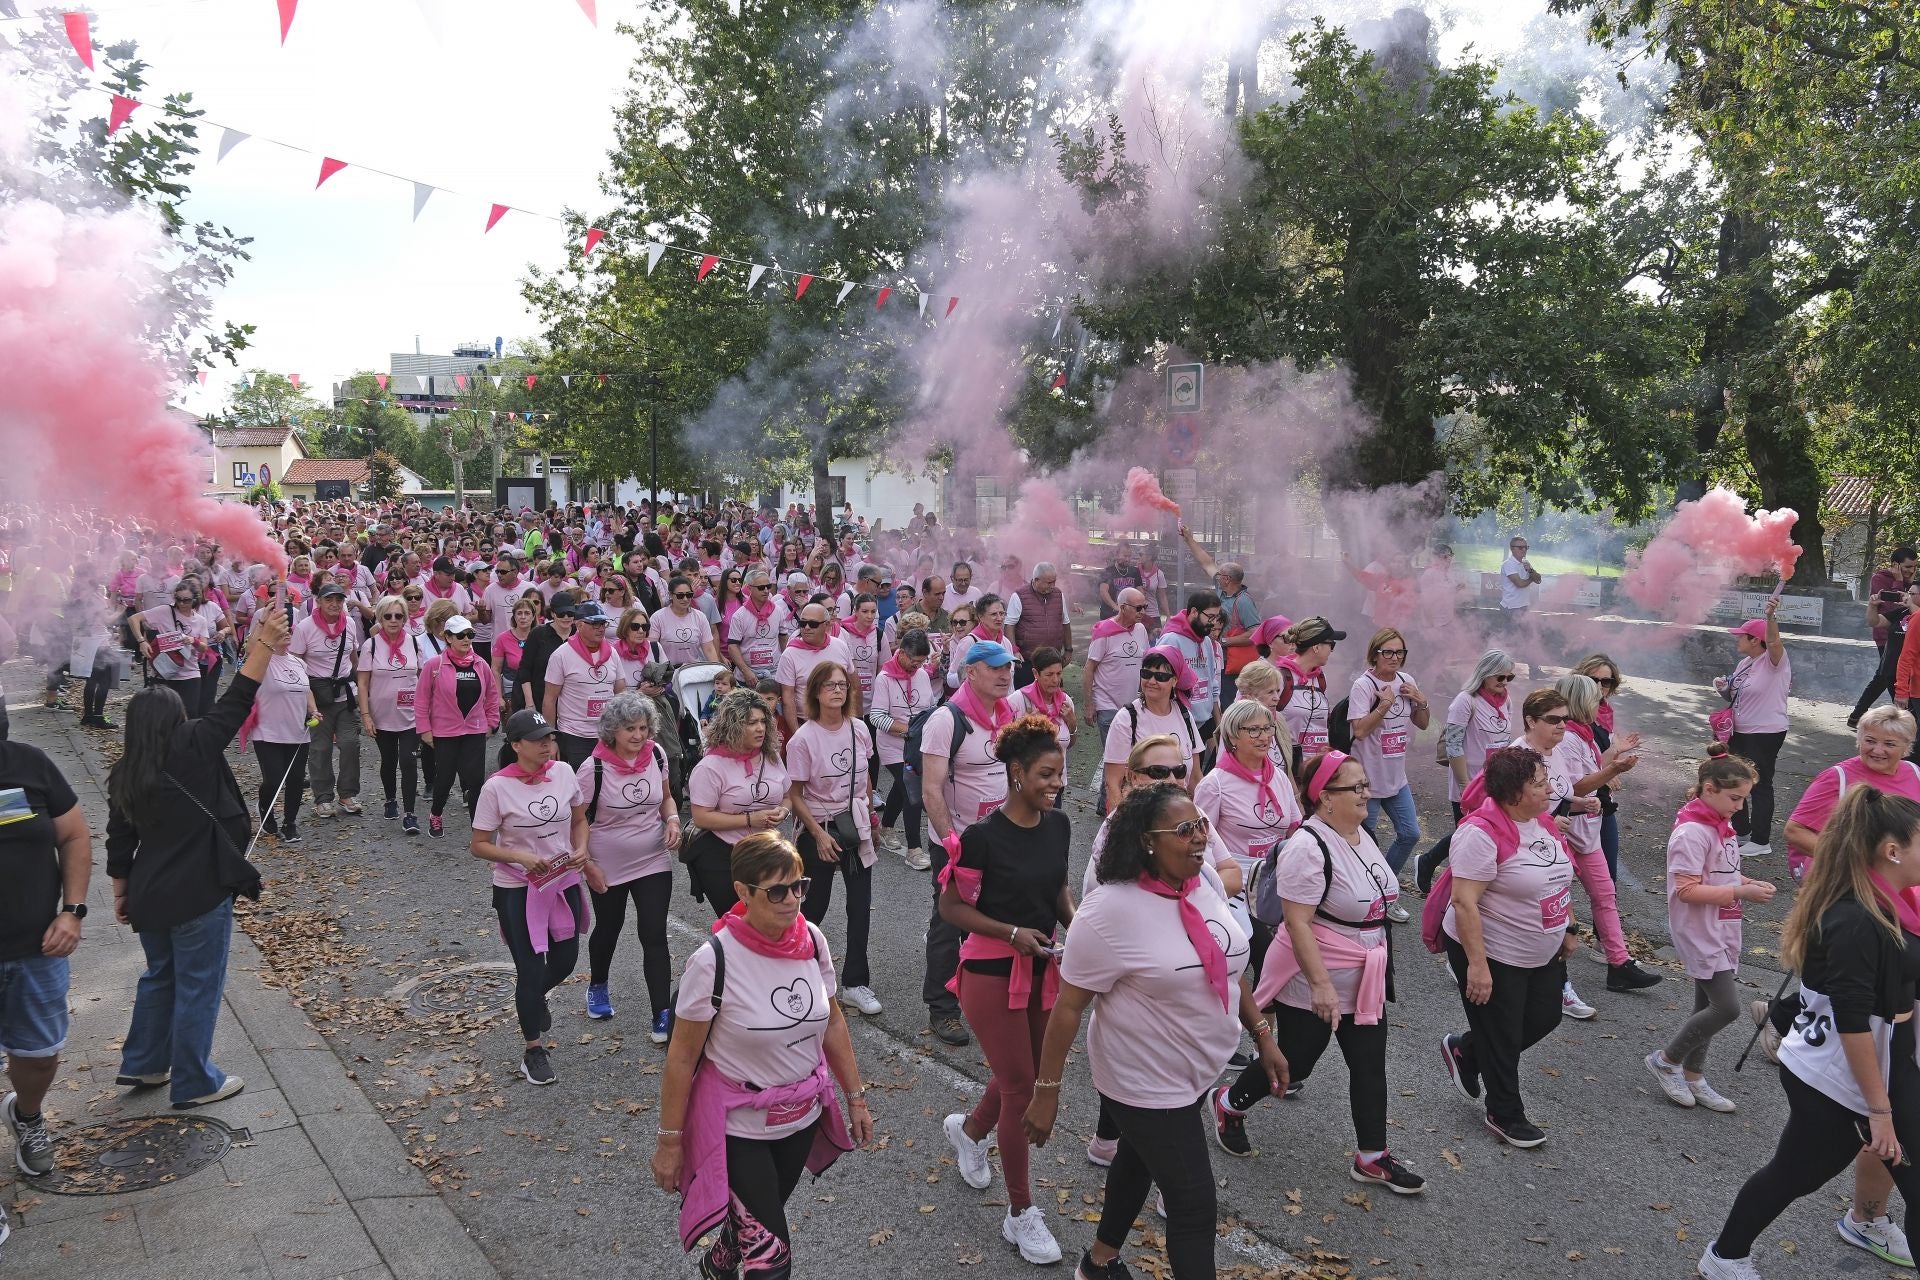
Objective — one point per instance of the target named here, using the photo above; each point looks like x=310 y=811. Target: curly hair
x=1125 y=855
x=1026 y=740
x=733 y=715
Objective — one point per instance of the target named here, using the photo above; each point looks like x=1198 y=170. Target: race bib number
x=551 y=872
x=593 y=707
x=1312 y=741
x=1259 y=849
x=404 y=698
x=1554 y=910
x=1394 y=743
x=1731 y=910
x=170 y=642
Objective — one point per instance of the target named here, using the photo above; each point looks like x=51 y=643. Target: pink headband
x=1329 y=766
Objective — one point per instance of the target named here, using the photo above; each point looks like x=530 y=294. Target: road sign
x=1183 y=486
x=1183 y=442
x=1185 y=389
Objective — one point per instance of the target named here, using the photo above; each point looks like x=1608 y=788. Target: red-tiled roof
x=314 y=470
x=1850 y=495
x=251 y=437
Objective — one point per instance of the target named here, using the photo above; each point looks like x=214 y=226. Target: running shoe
x=1028 y=1231
x=290 y=834
x=350 y=805
x=1465 y=1078
x=662 y=1026
x=1112 y=1269
x=324 y=809
x=892 y=841
x=1573 y=1006
x=861 y=998
x=392 y=810
x=152 y=1080
x=1229 y=1126
x=1398 y=914
x=1714 y=1267
x=1711 y=1098
x=1882 y=1238
x=1748 y=849
x=953 y=1031
x=917 y=860
x=599 y=1002
x=228 y=1087
x=435 y=827
x=1389 y=1173
x=1672 y=1079
x=1516 y=1133
x=32 y=1144
x=1101 y=1151
x=1769 y=1034
x=971 y=1156
x=1630 y=977
x=410 y=825
x=537 y=1066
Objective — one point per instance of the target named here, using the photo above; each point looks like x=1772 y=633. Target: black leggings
x=761 y=1176
x=1755 y=822
x=650 y=895
x=189 y=691
x=1303 y=1037
x=1169 y=1148
x=275 y=759
x=1522 y=1011
x=859 y=878
x=899 y=802
x=1437 y=852
x=712 y=873
x=464 y=757
x=536 y=974
x=209 y=689
x=398 y=747
x=1821 y=1140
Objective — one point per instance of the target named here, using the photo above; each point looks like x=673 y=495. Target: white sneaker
x=1769 y=1034
x=1715 y=1267
x=972 y=1158
x=1028 y=1230
x=1709 y=1097
x=1673 y=1080
x=1572 y=1005
x=917 y=859
x=1881 y=1238
x=1748 y=849
x=861 y=998
x=891 y=840
x=1398 y=914
x=324 y=809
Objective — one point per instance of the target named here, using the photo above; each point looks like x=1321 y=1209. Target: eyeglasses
x=1393 y=653
x=1161 y=772
x=639 y=626
x=683 y=595
x=1505 y=679
x=778 y=892
x=834 y=686
x=1258 y=731
x=1358 y=788
x=1185 y=830
x=1158 y=677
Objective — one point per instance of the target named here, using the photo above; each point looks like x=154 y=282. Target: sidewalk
x=318 y=1185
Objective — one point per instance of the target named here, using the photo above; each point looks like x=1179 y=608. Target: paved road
x=553 y=1180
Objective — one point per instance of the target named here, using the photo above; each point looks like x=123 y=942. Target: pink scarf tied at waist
x=1340 y=951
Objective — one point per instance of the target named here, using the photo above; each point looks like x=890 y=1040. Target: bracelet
x=1046 y=1084
x=1879 y=1111
x=1013 y=934
x=668 y=1133
x=1261 y=1026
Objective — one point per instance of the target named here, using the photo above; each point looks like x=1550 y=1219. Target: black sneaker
x=290 y=834
x=1295 y=1088
x=1465 y=1078
x=536 y=1066
x=1389 y=1173
x=1630 y=977
x=410 y=825
x=1229 y=1126
x=1238 y=1060
x=953 y=1031
x=270 y=827
x=392 y=810
x=1516 y=1133
x=1091 y=1270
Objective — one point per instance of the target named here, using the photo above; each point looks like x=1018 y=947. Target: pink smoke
x=1695 y=558
x=1041 y=526
x=1144 y=498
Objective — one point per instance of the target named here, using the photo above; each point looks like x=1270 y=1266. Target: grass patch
x=1488 y=559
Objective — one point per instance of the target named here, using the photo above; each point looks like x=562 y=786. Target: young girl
x=1705 y=893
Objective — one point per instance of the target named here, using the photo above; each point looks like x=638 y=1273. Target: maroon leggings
x=1011 y=1039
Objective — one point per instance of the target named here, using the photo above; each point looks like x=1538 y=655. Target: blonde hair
x=437 y=614
x=1256 y=678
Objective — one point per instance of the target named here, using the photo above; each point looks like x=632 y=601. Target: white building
x=877 y=489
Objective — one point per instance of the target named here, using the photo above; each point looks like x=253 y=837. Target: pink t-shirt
x=976 y=781
x=1363 y=887
x=796 y=664
x=584 y=688
x=1760 y=694
x=1246 y=819
x=1483 y=727
x=730 y=786
x=1706 y=936
x=831 y=766
x=901 y=701
x=536 y=817
x=1018 y=701
x=1523 y=913
x=769 y=1029
x=318 y=649
x=1116 y=681
x=682 y=639
x=1159 y=1034
x=1383 y=753
x=282 y=701
x=864 y=653
x=394 y=678
x=1306 y=712
x=1574 y=759
x=1824 y=792
x=628 y=835
x=1134 y=722
x=499 y=599
x=759 y=641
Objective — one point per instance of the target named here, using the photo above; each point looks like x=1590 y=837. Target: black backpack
x=916 y=729
x=600 y=778
x=1339 y=727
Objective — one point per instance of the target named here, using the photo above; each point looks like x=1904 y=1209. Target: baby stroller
x=693 y=686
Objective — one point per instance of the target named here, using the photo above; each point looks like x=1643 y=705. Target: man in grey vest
x=1037 y=619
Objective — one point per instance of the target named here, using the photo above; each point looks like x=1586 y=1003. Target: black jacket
x=176 y=865
x=1864 y=970
x=542 y=643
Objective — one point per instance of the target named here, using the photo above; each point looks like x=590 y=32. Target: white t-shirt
x=1512 y=597
x=1116 y=681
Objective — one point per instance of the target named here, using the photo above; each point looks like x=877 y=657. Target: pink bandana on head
x=1329 y=766
x=1212 y=959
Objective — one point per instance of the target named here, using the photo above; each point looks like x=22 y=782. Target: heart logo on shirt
x=683 y=633
x=544 y=809
x=1265 y=814
x=760 y=789
x=841 y=761
x=292 y=676
x=1218 y=932
x=1131 y=649
x=795 y=1000
x=637 y=792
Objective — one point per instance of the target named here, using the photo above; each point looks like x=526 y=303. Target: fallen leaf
x=1574 y=1255
x=879 y=1237
x=1446 y=1153
x=1358 y=1199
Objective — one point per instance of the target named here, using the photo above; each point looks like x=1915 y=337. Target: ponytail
x=1864 y=820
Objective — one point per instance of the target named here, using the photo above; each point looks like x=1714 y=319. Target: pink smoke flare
x=1710 y=542
x=1144 y=497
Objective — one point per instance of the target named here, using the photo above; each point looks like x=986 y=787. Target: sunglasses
x=960 y=622
x=1185 y=830
x=683 y=595
x=779 y=892
x=1161 y=772
x=1505 y=679
x=1551 y=719
x=1608 y=682
x=639 y=626
x=806 y=625
x=1158 y=677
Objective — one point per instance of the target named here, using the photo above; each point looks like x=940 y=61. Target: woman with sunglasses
x=1506 y=931
x=616 y=593
x=739 y=787
x=831 y=795
x=1605 y=673
x=457 y=708
x=634 y=644
x=990 y=624
x=1479 y=719
x=731 y=595
x=1157 y=955
x=415 y=597
x=507 y=646
x=388 y=674
x=901 y=691
x=733 y=1150
x=1329 y=973
x=947 y=642
x=1252 y=804
x=1008 y=892
x=1847 y=1062
x=171 y=639
x=683 y=631
x=1157 y=710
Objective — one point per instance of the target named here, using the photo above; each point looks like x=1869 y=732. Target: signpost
x=1183 y=442
x=1186 y=388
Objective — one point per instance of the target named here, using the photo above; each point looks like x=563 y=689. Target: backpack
x=1133 y=710
x=720 y=970
x=1440 y=897
x=1263 y=898
x=600 y=778
x=916 y=730
x=1340 y=728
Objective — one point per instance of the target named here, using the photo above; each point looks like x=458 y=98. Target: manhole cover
x=146 y=1151
x=471 y=988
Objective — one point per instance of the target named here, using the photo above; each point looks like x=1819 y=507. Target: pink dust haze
x=1041 y=526
x=1695 y=558
x=1144 y=497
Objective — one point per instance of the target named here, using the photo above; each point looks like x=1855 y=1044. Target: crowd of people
x=722 y=687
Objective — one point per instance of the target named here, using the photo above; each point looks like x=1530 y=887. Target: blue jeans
x=1406 y=824
x=33 y=1006
x=178 y=1003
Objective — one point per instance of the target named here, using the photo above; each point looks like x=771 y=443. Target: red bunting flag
x=121 y=111
x=286 y=17
x=1059 y=381
x=294 y=378
x=594 y=235
x=499 y=211
x=586 y=7
x=603 y=378
x=531 y=379
x=201 y=377
x=881 y=301
x=81 y=36
x=800 y=287
x=381 y=378
x=706 y=264
x=460 y=381
x=951 y=304
x=328 y=167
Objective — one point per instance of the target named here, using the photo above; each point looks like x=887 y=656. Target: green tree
x=265 y=399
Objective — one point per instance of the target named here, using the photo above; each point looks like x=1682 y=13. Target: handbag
x=841 y=826
x=1721 y=724
x=235 y=873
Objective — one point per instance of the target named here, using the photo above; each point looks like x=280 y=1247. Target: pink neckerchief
x=396 y=647
x=795 y=944
x=1903 y=901
x=748 y=759
x=800 y=642
x=517 y=772
x=502 y=580
x=435 y=592
x=632 y=654
x=611 y=758
x=849 y=625
x=330 y=632
x=1052 y=708
x=1696 y=810
x=1180 y=625
x=296 y=580
x=980 y=633
x=1500 y=703
x=1603 y=716
x=1585 y=732
x=579 y=646
x=1263 y=779
x=992 y=721
x=760 y=611
x=892 y=667
x=1212 y=959
x=1316 y=678
x=1108 y=627
x=455 y=659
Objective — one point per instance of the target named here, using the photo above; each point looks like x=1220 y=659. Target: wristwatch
x=79 y=909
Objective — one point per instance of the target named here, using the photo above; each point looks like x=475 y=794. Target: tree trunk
x=822 y=497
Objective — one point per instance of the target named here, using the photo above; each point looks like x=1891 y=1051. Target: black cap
x=331 y=589
x=528 y=725
x=442 y=564
x=1316 y=631
x=589 y=611
x=561 y=606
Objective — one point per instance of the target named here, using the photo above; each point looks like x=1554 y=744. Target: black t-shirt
x=1021 y=871
x=1118 y=578
x=29 y=859
x=466 y=687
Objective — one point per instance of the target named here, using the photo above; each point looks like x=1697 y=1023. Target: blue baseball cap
x=994 y=655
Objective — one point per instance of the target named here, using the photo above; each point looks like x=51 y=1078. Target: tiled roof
x=314 y=470
x=1850 y=495
x=251 y=437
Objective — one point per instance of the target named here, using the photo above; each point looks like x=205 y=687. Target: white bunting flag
x=654 y=250
x=229 y=139
x=496 y=379
x=566 y=380
x=923 y=306
x=421 y=191
x=845 y=289
x=753 y=276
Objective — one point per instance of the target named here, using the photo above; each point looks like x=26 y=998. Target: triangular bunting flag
x=594 y=236
x=496 y=379
x=566 y=380
x=294 y=378
x=881 y=301
x=119 y=113
x=602 y=377
x=201 y=377
x=286 y=17
x=923 y=306
x=381 y=378
x=654 y=250
x=706 y=264
x=1058 y=321
x=1059 y=380
x=951 y=304
x=328 y=167
x=499 y=211
x=800 y=287
x=845 y=289
x=460 y=381
x=229 y=139
x=531 y=379
x=753 y=276
x=587 y=7
x=81 y=36
x=420 y=193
